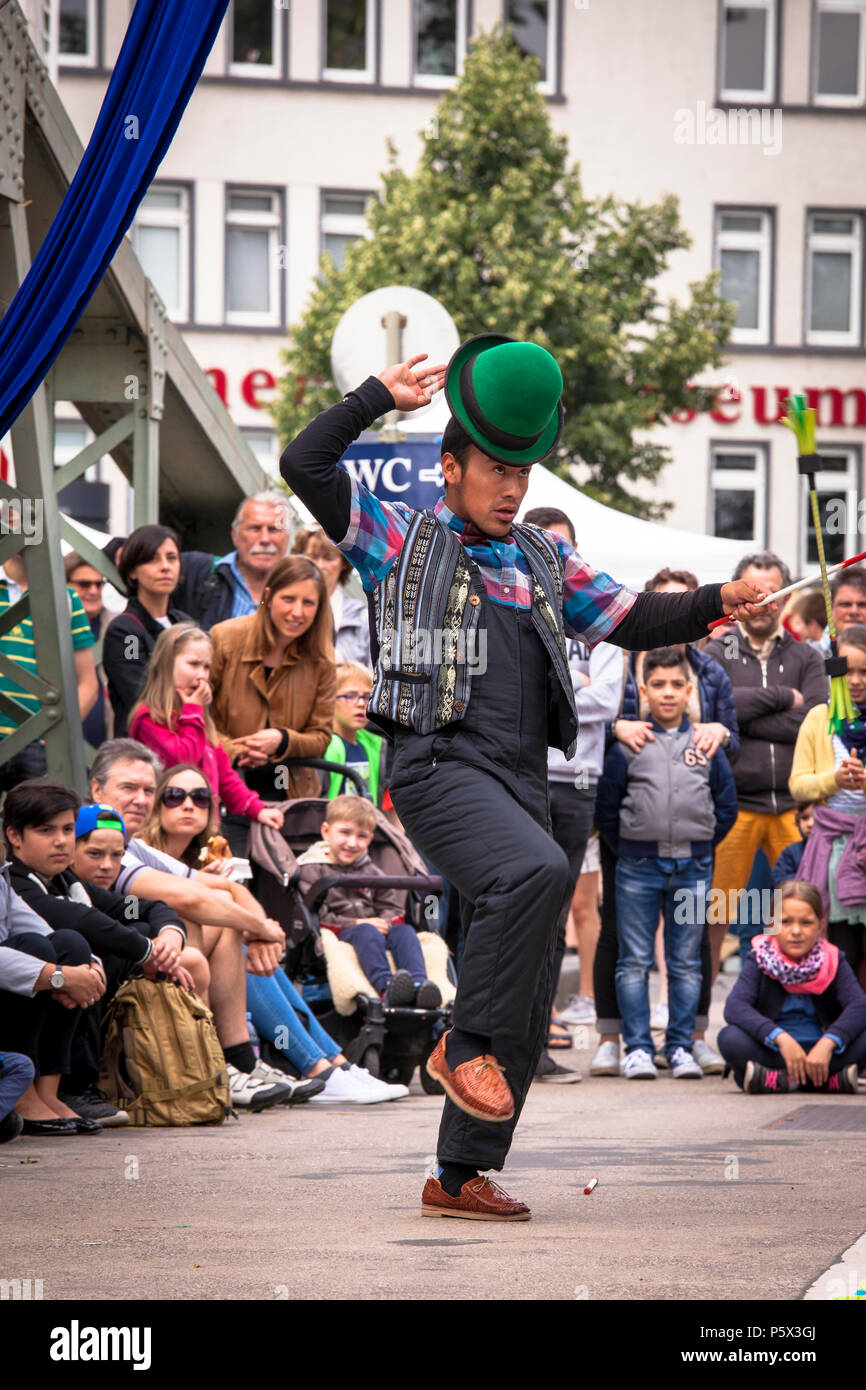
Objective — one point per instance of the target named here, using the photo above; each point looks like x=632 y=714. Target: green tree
x=495 y=225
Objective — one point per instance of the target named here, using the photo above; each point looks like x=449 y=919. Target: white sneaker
x=639 y=1066
x=342 y=1088
x=392 y=1090
x=660 y=1017
x=683 y=1065
x=294 y=1089
x=606 y=1060
x=709 y=1061
x=579 y=1009
x=250 y=1091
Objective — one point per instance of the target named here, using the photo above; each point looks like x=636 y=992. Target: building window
x=70 y=437
x=839 y=53
x=76 y=34
x=837 y=504
x=350 y=40
x=344 y=220
x=834 y=279
x=160 y=237
x=266 y=447
x=738 y=492
x=533 y=24
x=255 y=38
x=748 y=50
x=439 y=41
x=744 y=257
x=252 y=260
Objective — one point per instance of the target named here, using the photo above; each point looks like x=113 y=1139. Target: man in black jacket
x=776 y=681
x=469 y=776
x=123 y=932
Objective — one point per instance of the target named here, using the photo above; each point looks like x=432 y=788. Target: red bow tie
x=471 y=535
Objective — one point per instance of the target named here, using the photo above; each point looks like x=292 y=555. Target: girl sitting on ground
x=173 y=718
x=796 y=1016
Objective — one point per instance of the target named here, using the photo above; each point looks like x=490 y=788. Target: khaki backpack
x=162 y=1061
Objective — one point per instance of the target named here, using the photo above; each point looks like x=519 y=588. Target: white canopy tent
x=628 y=548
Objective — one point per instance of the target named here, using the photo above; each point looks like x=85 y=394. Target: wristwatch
x=57 y=980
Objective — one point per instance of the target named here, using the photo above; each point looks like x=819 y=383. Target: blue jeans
x=274 y=1005
x=16 y=1074
x=371 y=948
x=646 y=888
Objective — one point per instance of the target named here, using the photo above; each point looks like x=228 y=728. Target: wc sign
x=408 y=472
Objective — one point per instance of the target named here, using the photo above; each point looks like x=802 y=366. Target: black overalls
x=473 y=798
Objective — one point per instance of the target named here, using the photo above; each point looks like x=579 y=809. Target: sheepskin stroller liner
x=389 y=1041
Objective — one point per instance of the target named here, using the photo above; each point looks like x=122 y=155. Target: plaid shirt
x=593 y=604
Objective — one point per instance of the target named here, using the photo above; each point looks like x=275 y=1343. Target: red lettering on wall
x=733 y=398
x=220 y=383
x=259 y=380
x=838 y=398
x=759 y=396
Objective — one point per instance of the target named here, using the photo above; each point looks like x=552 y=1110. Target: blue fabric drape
x=163 y=53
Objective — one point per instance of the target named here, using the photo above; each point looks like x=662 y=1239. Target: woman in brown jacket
x=274 y=684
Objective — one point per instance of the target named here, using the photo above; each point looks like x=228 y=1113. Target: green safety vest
x=373 y=745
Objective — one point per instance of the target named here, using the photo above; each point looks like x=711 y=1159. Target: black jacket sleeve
x=101 y=932
x=125 y=662
x=663 y=620
x=146 y=914
x=309 y=463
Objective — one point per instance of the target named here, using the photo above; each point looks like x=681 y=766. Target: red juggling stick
x=792 y=588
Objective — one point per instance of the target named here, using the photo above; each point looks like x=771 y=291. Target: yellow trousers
x=753 y=830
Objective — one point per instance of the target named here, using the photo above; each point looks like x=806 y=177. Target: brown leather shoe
x=477 y=1086
x=479 y=1200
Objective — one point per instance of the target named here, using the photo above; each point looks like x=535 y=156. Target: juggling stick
x=792 y=588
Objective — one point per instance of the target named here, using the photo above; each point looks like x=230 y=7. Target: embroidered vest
x=425 y=635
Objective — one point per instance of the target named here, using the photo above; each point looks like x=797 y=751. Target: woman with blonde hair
x=273 y=681
x=172 y=717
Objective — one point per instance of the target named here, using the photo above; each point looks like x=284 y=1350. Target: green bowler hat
x=507 y=396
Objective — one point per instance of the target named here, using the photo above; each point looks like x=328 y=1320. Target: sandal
x=559 y=1036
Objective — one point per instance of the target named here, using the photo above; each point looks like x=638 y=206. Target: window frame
x=369 y=74
x=849 y=483
x=187 y=248
x=763 y=335
x=768 y=94
x=250 y=432
x=552 y=84
x=760 y=450
x=95 y=29
x=836 y=101
x=443 y=81
x=260 y=72
x=852 y=337
x=343 y=230
x=250 y=318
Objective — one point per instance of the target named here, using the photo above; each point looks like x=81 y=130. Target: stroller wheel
x=401 y=1073
x=430 y=1087
x=371 y=1060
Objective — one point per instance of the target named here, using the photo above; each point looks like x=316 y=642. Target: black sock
x=241 y=1056
x=462 y=1047
x=454 y=1175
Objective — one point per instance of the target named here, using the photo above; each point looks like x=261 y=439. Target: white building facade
x=751 y=113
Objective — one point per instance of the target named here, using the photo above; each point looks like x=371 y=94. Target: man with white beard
x=211 y=588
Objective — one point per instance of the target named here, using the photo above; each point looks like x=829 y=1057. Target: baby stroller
x=389 y=1041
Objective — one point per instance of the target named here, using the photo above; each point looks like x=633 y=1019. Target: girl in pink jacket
x=172 y=717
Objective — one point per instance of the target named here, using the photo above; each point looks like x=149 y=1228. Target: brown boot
x=477 y=1086
x=480 y=1200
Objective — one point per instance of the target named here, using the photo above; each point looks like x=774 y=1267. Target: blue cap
x=97 y=816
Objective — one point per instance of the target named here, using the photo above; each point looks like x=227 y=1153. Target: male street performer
x=471 y=720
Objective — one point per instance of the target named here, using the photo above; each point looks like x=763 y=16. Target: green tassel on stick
x=800 y=418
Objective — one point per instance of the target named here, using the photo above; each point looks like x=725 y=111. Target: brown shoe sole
x=474 y=1215
x=464 y=1105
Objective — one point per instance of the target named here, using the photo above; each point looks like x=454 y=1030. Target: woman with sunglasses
x=173 y=718
x=181 y=824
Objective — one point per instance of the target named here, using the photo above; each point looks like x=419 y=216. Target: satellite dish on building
x=387 y=326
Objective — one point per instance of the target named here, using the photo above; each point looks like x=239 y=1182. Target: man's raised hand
x=413 y=389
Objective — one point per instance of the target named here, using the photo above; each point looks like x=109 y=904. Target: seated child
x=353 y=743
x=788 y=863
x=369 y=919
x=662 y=810
x=796 y=1015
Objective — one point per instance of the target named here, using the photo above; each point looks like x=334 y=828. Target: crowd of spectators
x=698 y=770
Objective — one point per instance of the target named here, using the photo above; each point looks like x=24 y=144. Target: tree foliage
x=495 y=225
